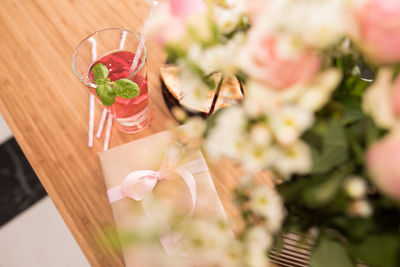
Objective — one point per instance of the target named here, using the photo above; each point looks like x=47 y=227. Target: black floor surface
x=19 y=186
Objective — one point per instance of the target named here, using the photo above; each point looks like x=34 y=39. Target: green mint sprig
x=108 y=91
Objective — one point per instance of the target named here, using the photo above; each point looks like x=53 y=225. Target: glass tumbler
x=116 y=49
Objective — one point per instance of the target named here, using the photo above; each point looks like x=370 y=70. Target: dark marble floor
x=19 y=186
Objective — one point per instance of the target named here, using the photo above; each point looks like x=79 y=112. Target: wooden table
x=46 y=107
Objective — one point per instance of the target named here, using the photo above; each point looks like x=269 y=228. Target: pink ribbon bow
x=138 y=185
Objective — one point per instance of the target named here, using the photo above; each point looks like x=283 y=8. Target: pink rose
x=396 y=96
x=379 y=26
x=169 y=22
x=255 y=8
x=185 y=8
x=264 y=62
x=383 y=161
x=169 y=32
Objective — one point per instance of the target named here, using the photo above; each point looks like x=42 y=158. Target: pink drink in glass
x=115 y=48
x=126 y=110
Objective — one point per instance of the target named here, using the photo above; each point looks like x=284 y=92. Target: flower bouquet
x=321 y=113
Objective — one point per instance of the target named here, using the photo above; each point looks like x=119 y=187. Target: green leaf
x=379 y=250
x=326 y=188
x=126 y=88
x=100 y=73
x=373 y=133
x=356 y=147
x=106 y=94
x=334 y=150
x=174 y=53
x=354 y=228
x=352 y=109
x=330 y=253
x=291 y=190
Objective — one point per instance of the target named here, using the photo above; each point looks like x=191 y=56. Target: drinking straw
x=123 y=40
x=101 y=124
x=91 y=120
x=108 y=132
x=92 y=99
x=142 y=39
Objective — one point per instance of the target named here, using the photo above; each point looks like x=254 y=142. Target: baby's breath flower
x=260 y=134
x=360 y=208
x=257 y=238
x=289 y=123
x=266 y=202
x=294 y=159
x=356 y=187
x=227 y=138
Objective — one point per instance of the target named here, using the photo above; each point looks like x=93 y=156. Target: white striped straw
x=92 y=99
x=91 y=120
x=108 y=132
x=123 y=40
x=101 y=124
x=142 y=39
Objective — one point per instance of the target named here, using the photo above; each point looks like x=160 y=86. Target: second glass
x=116 y=49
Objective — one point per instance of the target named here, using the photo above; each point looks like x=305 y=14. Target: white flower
x=377 y=100
x=255 y=158
x=195 y=91
x=227 y=19
x=257 y=238
x=259 y=100
x=317 y=93
x=260 y=134
x=179 y=113
x=360 y=208
x=314 y=94
x=204 y=235
x=256 y=259
x=199 y=26
x=289 y=123
x=356 y=187
x=218 y=57
x=293 y=159
x=325 y=22
x=257 y=242
x=195 y=127
x=266 y=202
x=224 y=144
x=227 y=138
x=191 y=134
x=211 y=243
x=319 y=23
x=234 y=254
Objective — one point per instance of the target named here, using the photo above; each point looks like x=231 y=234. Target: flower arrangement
x=321 y=112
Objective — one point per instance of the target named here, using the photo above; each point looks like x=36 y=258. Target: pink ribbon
x=138 y=185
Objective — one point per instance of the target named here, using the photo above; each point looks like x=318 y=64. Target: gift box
x=156 y=168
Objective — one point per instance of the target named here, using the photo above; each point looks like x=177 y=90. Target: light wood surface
x=47 y=108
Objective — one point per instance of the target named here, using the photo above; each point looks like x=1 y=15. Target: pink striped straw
x=108 y=132
x=142 y=39
x=101 y=124
x=91 y=120
x=92 y=99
